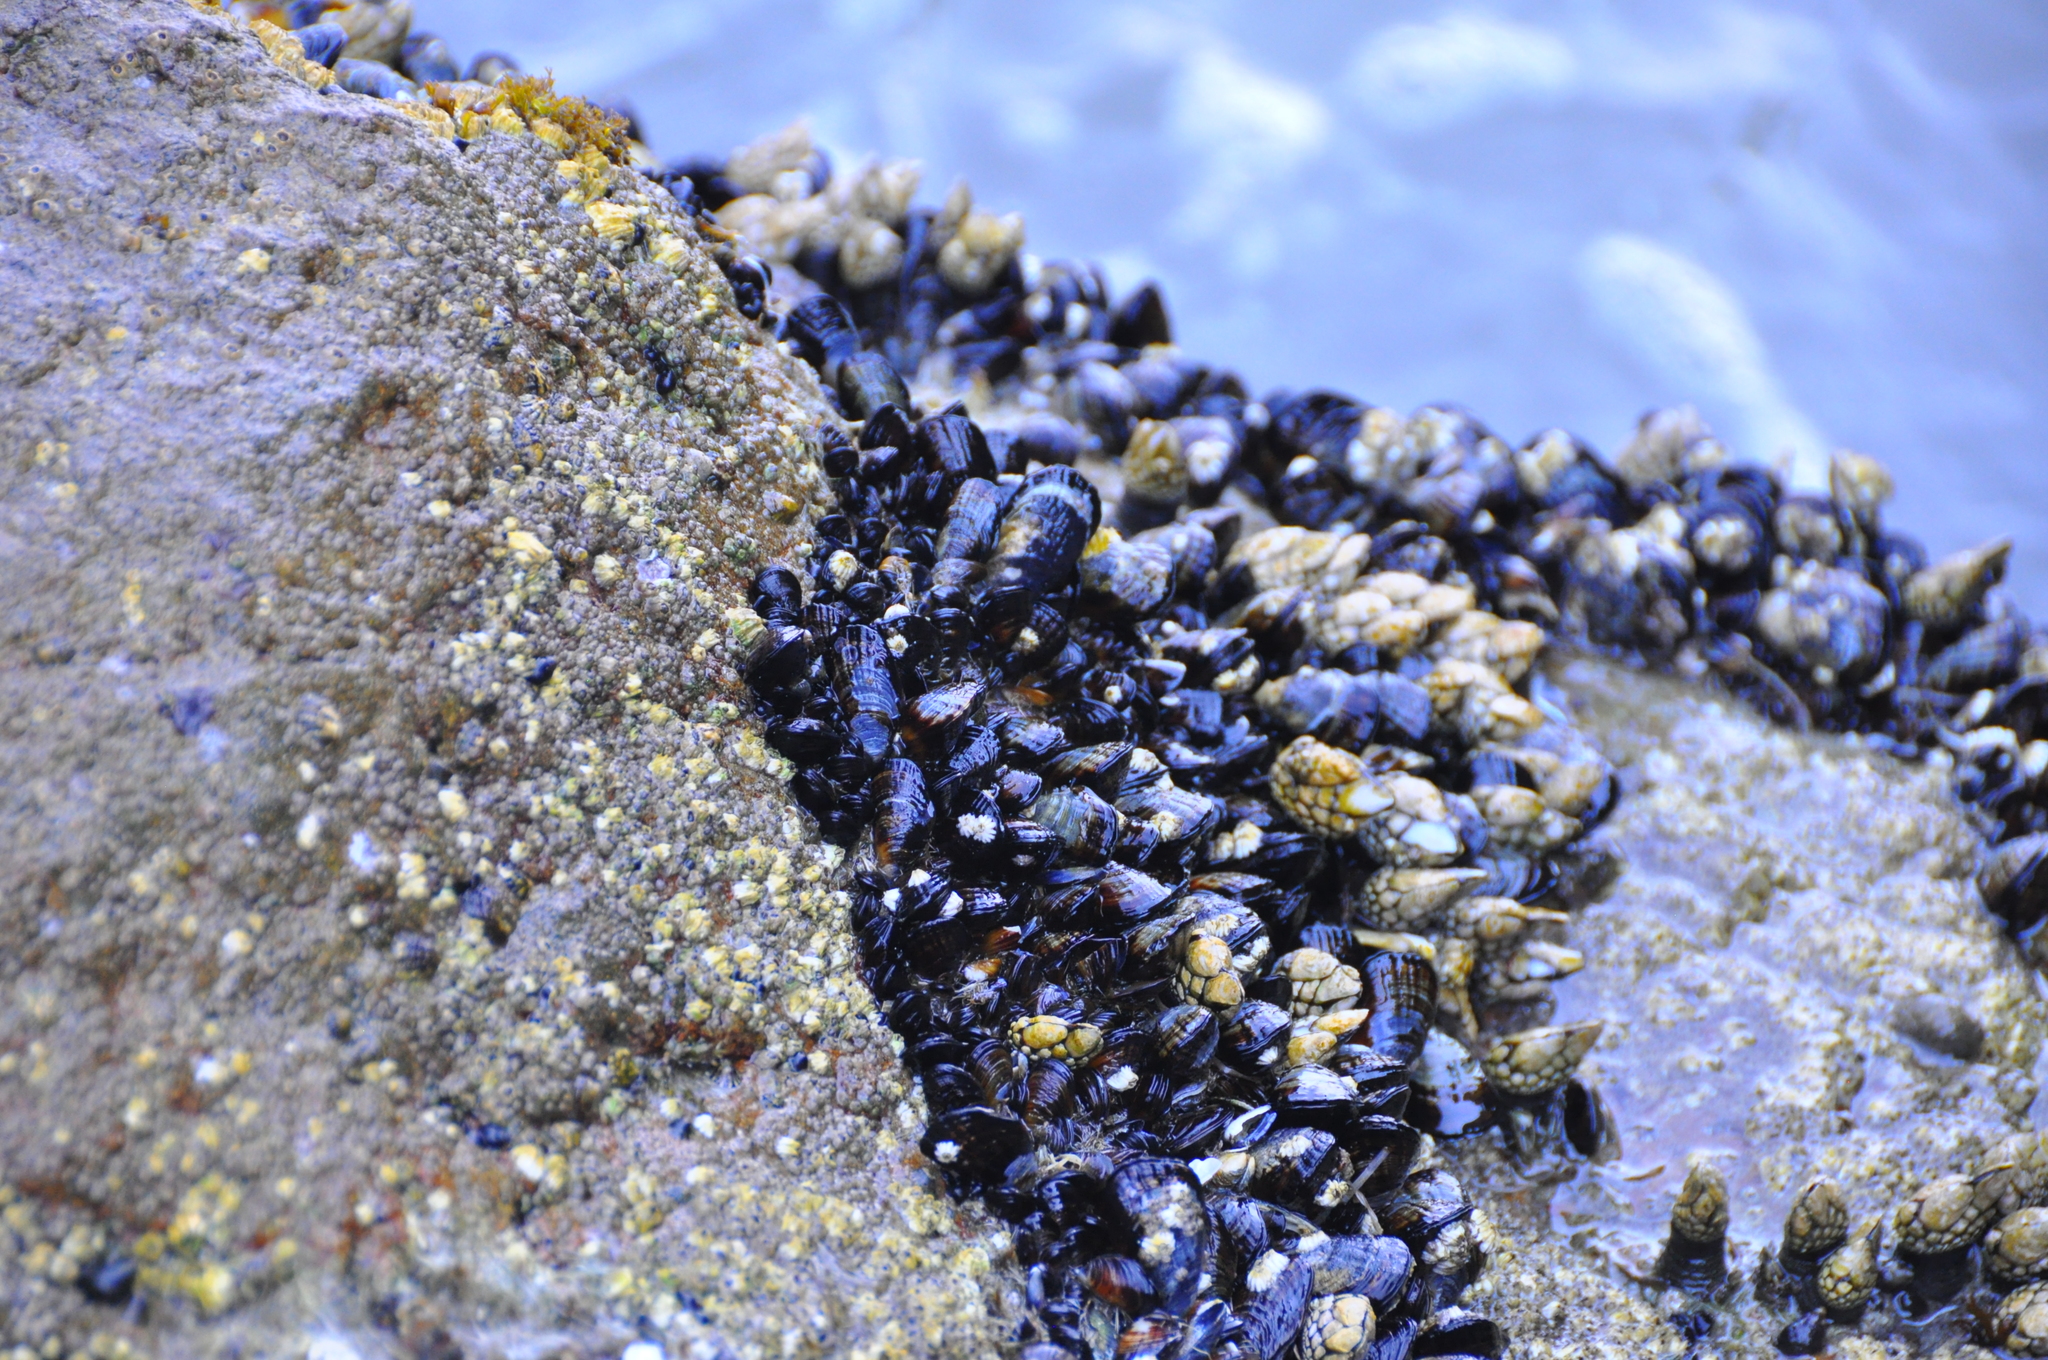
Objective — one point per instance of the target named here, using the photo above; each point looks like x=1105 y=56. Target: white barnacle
x=1155 y=1247
x=978 y=826
x=1207 y=458
x=1264 y=1272
x=947 y=1152
x=1121 y=1079
x=918 y=878
x=1205 y=1168
x=954 y=903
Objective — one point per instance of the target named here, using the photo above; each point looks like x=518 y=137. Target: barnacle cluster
x=1979 y=1239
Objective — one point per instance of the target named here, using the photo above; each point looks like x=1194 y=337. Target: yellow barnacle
x=1048 y=1036
x=669 y=250
x=613 y=221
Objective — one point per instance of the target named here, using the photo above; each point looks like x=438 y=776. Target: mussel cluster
x=1209 y=857
x=1206 y=865
x=1805 y=604
x=1165 y=902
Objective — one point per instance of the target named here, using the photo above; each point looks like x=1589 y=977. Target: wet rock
x=1781 y=896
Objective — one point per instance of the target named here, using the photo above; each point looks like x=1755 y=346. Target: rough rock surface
x=1783 y=898
x=320 y=434
x=369 y=981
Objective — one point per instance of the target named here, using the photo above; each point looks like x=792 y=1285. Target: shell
x=2016 y=1249
x=1185 y=1037
x=1699 y=1216
x=935 y=720
x=1816 y=1224
x=1337 y=1327
x=1291 y=557
x=1695 y=1256
x=1535 y=1062
x=1848 y=1277
x=2012 y=883
x=1161 y=1203
x=971 y=519
x=1119 y=1281
x=1401 y=990
x=1300 y=1168
x=2020 y=1322
x=1131 y=579
x=1326 y=790
x=1080 y=818
x=1520 y=822
x=1827 y=620
x=1206 y=975
x=1416 y=831
x=1947 y=594
x=1378 y=1268
x=1155 y=475
x=1048 y=1036
x=1947 y=1214
x=1408 y=899
x=1315 y=982
x=1039 y=540
x=866 y=691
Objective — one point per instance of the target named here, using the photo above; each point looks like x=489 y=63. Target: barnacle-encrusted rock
x=402 y=932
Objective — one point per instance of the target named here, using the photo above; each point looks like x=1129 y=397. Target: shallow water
x=1822 y=223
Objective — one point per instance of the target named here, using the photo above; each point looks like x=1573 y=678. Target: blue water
x=1824 y=224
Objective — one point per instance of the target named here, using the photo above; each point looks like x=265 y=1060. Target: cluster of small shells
x=1208 y=866
x=1378 y=563
x=1978 y=1240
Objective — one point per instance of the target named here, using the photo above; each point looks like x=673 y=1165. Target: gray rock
x=312 y=413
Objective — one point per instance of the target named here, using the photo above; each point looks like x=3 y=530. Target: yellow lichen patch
x=253 y=261
x=583 y=125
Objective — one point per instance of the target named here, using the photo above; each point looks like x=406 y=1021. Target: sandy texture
x=320 y=433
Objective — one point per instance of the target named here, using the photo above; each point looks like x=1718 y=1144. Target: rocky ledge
x=412 y=947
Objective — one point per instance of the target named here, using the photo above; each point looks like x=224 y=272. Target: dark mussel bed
x=1208 y=856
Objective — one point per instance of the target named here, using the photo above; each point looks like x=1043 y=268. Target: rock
x=1782 y=896
x=410 y=947
x=322 y=431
